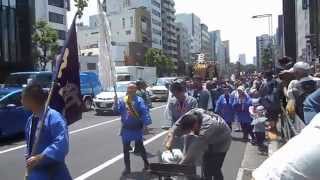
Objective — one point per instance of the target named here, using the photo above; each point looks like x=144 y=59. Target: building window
x=92 y=66
x=131 y=21
x=61 y=34
x=57 y=3
x=126 y=3
x=156 y=13
x=156 y=22
x=155 y=3
x=56 y=18
x=94 y=33
x=128 y=32
x=123 y=23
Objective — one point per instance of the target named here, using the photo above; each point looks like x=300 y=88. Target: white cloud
x=232 y=17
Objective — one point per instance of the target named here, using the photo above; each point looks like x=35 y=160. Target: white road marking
x=75 y=131
x=114 y=160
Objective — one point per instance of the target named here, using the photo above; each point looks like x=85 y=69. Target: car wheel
x=88 y=104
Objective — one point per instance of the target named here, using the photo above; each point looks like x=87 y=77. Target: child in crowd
x=259 y=119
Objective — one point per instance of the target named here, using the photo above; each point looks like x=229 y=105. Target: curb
x=273 y=146
x=248 y=166
x=244 y=174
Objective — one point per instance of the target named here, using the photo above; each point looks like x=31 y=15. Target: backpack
x=305 y=88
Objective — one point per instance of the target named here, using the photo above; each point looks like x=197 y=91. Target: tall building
x=169 y=36
x=16 y=21
x=205 y=40
x=263 y=42
x=54 y=12
x=15 y=37
x=153 y=6
x=289 y=14
x=302 y=28
x=280 y=39
x=130 y=38
x=314 y=6
x=217 y=51
x=226 y=45
x=255 y=61
x=192 y=22
x=134 y=26
x=307 y=29
x=183 y=41
x=242 y=59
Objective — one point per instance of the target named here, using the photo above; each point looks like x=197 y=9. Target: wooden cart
x=167 y=171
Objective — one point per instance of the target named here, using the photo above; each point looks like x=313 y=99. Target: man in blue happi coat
x=47 y=161
x=134 y=116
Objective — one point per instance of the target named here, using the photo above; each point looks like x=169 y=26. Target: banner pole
x=43 y=116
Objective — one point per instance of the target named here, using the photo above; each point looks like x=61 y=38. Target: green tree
x=250 y=68
x=156 y=58
x=80 y=5
x=45 y=45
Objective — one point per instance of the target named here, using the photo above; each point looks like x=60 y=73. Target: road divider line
x=75 y=131
x=115 y=159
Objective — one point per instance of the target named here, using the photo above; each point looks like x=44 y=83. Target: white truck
x=133 y=73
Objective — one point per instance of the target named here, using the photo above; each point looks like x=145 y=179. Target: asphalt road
x=96 y=150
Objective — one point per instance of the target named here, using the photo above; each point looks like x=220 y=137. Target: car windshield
x=17 y=80
x=120 y=88
x=163 y=81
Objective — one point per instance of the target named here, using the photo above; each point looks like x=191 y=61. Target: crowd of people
x=207 y=111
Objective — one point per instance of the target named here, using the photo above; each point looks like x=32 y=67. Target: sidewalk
x=253 y=159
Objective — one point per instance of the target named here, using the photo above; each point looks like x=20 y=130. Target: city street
x=96 y=151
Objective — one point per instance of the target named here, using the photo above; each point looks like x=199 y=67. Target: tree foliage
x=80 y=5
x=45 y=45
x=156 y=58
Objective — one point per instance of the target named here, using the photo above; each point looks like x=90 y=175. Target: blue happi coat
x=241 y=108
x=129 y=122
x=224 y=109
x=53 y=144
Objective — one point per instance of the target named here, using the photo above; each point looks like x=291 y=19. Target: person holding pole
x=45 y=159
x=134 y=116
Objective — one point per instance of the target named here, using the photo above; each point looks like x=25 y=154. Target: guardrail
x=289 y=127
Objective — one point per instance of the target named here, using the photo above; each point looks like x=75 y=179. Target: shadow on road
x=109 y=113
x=139 y=176
x=11 y=140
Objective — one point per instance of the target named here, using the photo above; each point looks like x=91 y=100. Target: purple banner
x=66 y=95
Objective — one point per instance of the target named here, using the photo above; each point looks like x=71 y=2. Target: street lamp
x=270 y=21
x=270 y=26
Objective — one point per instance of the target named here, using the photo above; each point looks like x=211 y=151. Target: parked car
x=90 y=85
x=13 y=116
x=19 y=79
x=104 y=101
x=160 y=91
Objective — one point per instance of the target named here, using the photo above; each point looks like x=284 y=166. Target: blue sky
x=232 y=17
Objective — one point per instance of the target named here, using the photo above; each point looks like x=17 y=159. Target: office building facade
x=242 y=59
x=169 y=34
x=153 y=6
x=183 y=42
x=263 y=43
x=16 y=22
x=205 y=40
x=193 y=24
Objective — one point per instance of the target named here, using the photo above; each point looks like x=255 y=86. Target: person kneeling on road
x=211 y=140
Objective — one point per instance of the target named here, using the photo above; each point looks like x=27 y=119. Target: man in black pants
x=134 y=116
x=211 y=139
